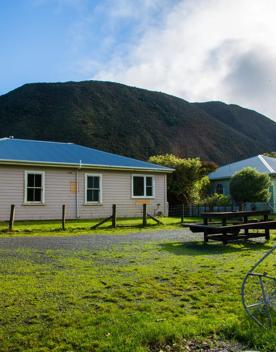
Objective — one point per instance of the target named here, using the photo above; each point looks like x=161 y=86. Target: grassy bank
x=134 y=297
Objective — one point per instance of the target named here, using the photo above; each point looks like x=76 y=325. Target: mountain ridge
x=134 y=122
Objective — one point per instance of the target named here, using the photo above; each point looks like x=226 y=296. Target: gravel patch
x=95 y=241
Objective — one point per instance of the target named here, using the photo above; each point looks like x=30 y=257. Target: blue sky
x=196 y=49
x=39 y=42
x=35 y=43
x=61 y=40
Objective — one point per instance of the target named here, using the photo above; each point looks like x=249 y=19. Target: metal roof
x=23 y=151
x=261 y=163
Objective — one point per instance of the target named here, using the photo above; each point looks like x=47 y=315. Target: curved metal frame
x=265 y=300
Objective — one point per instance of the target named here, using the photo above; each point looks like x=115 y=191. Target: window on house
x=93 y=189
x=142 y=186
x=34 y=187
x=219 y=188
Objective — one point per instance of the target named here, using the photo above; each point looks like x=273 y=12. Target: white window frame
x=145 y=186
x=85 y=189
x=32 y=172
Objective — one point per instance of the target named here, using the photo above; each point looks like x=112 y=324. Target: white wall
x=59 y=190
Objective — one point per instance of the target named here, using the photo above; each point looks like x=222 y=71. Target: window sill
x=34 y=204
x=143 y=197
x=92 y=203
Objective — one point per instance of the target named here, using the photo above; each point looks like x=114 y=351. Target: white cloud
x=111 y=27
x=202 y=50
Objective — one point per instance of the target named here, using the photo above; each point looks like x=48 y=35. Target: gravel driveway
x=95 y=241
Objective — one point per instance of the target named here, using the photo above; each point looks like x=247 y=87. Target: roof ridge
x=266 y=164
x=234 y=162
x=121 y=156
x=33 y=140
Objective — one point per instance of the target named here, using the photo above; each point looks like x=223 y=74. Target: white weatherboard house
x=39 y=176
x=220 y=178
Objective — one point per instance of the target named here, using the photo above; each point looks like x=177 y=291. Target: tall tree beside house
x=188 y=183
x=249 y=185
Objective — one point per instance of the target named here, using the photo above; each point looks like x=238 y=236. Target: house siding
x=226 y=190
x=59 y=189
x=273 y=198
x=225 y=184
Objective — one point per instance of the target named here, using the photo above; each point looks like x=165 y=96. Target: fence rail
x=182 y=211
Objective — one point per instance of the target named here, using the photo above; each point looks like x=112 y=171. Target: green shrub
x=217 y=199
x=249 y=185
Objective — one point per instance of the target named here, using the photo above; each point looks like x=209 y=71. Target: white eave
x=82 y=166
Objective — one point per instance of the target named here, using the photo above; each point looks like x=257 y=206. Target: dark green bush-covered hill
x=134 y=122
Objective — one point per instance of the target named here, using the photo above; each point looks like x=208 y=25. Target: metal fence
x=181 y=210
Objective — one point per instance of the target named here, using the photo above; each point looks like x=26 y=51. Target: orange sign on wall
x=73 y=187
x=143 y=201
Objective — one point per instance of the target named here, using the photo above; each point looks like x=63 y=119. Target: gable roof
x=261 y=163
x=23 y=151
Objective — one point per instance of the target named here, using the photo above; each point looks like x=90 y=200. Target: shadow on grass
x=201 y=248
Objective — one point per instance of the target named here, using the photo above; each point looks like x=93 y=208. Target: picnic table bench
x=228 y=232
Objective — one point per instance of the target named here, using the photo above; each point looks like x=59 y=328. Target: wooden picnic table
x=225 y=232
x=227 y=215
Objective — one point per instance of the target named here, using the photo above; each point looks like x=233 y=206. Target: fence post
x=12 y=214
x=114 y=215
x=63 y=217
x=144 y=214
x=182 y=213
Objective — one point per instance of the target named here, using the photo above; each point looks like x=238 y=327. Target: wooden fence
x=113 y=217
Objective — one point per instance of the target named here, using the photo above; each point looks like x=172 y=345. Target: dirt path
x=94 y=241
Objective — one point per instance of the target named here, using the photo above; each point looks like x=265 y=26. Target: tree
x=271 y=154
x=188 y=182
x=208 y=166
x=249 y=185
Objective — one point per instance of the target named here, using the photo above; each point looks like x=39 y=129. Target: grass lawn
x=140 y=296
x=82 y=227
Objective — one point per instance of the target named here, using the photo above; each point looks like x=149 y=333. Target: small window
x=219 y=188
x=34 y=187
x=93 y=188
x=142 y=186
